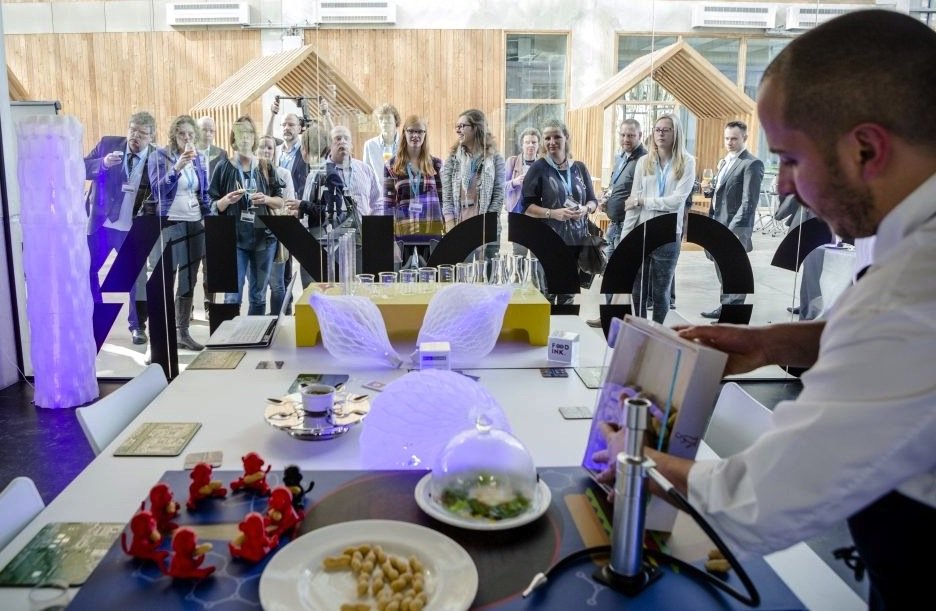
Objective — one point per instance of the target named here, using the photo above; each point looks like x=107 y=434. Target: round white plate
x=295 y=579
x=542 y=497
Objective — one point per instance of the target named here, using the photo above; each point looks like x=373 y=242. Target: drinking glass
x=427 y=279
x=536 y=275
x=498 y=271
x=387 y=282
x=523 y=270
x=408 y=279
x=49 y=596
x=446 y=274
x=365 y=284
x=464 y=272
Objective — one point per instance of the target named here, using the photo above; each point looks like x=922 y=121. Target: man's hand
x=275 y=107
x=614 y=436
x=112 y=159
x=746 y=346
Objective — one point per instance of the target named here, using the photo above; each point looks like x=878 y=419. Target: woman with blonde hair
x=412 y=187
x=473 y=174
x=246 y=187
x=663 y=180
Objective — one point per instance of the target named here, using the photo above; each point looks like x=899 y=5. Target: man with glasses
x=120 y=183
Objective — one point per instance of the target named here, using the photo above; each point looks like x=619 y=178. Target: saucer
x=318 y=433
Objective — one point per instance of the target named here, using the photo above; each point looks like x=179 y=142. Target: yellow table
x=526 y=318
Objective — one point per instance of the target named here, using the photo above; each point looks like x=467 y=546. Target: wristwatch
x=548 y=212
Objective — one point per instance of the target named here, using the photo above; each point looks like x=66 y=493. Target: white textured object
x=415 y=417
x=467 y=316
x=353 y=330
x=56 y=260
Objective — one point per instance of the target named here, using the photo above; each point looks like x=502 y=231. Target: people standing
x=180 y=186
x=663 y=180
x=268 y=151
x=379 y=149
x=517 y=166
x=245 y=188
x=735 y=194
x=473 y=173
x=116 y=167
x=211 y=154
x=559 y=190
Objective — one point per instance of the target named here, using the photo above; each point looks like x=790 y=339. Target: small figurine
x=292 y=479
x=187 y=556
x=281 y=516
x=252 y=544
x=163 y=507
x=203 y=487
x=254 y=477
x=146 y=539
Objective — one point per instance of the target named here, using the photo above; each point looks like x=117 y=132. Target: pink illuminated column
x=56 y=260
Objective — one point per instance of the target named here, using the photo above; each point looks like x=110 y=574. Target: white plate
x=542 y=497
x=295 y=579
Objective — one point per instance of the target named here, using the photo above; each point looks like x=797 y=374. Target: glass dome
x=484 y=474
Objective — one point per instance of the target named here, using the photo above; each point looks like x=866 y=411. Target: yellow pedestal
x=526 y=318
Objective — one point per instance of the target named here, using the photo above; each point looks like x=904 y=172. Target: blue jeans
x=277 y=286
x=654 y=280
x=255 y=266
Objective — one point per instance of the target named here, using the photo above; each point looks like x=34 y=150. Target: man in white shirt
x=379 y=149
x=858 y=147
x=735 y=194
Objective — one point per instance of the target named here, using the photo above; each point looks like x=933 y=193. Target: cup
x=464 y=273
x=427 y=279
x=447 y=273
x=387 y=281
x=365 y=284
x=318 y=402
x=408 y=278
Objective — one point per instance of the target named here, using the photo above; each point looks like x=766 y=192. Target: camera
x=303 y=103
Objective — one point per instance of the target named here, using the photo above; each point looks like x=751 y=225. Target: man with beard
x=848 y=112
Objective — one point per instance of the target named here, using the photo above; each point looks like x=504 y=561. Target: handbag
x=592 y=257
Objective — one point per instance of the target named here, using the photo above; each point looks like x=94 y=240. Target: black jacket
x=621 y=184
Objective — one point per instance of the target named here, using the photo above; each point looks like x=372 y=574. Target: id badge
x=416 y=207
x=248 y=217
x=127 y=188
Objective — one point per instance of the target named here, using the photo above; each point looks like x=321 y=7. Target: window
x=536 y=83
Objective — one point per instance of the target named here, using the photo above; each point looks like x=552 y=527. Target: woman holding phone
x=245 y=188
x=180 y=188
x=558 y=190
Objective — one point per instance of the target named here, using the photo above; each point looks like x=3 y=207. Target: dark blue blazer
x=106 y=195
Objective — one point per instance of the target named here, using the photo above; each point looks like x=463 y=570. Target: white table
x=230 y=403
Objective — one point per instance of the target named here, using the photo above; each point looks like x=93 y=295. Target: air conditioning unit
x=180 y=14
x=806 y=16
x=735 y=16
x=356 y=12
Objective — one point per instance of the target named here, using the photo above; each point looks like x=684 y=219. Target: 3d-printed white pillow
x=415 y=416
x=467 y=316
x=353 y=330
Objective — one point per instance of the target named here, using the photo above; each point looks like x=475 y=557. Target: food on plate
x=394 y=582
x=484 y=496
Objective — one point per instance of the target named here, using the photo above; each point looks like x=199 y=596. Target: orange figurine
x=254 y=477
x=281 y=516
x=146 y=538
x=163 y=507
x=252 y=544
x=187 y=556
x=203 y=487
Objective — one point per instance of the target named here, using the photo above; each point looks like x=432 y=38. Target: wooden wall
x=433 y=73
x=103 y=78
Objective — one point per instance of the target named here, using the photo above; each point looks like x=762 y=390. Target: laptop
x=250 y=331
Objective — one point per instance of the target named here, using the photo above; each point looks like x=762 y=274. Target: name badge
x=416 y=207
x=247 y=217
x=127 y=188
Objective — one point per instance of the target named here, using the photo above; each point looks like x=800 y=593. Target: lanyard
x=244 y=180
x=415 y=179
x=350 y=179
x=126 y=167
x=566 y=180
x=661 y=177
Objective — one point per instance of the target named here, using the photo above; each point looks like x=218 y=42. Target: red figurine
x=203 y=487
x=146 y=539
x=254 y=477
x=188 y=556
x=252 y=544
x=281 y=516
x=163 y=507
